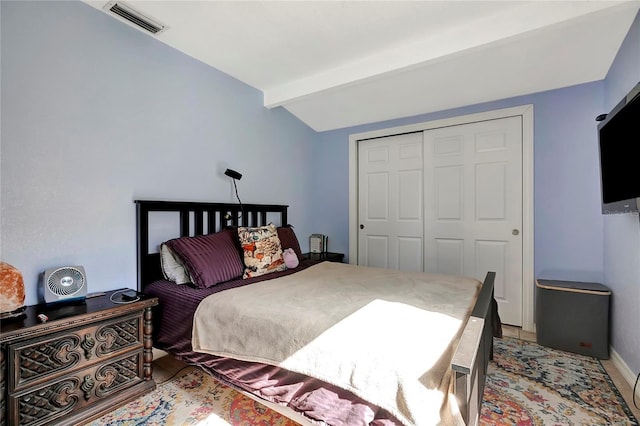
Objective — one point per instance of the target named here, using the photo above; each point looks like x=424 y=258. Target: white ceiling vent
x=127 y=14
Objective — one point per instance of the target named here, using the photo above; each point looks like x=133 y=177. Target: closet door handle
x=361 y=226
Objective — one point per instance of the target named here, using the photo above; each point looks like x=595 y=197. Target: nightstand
x=327 y=255
x=85 y=360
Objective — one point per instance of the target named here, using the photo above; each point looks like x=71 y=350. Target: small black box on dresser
x=78 y=362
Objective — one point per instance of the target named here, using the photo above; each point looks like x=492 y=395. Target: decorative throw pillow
x=262 y=250
x=209 y=259
x=288 y=239
x=172 y=266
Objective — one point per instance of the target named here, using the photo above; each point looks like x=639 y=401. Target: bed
x=268 y=336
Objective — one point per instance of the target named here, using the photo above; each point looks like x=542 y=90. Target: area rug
x=528 y=384
x=193 y=399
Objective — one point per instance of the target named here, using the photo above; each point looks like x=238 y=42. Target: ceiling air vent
x=130 y=15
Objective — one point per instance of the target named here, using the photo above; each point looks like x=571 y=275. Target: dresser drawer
x=76 y=391
x=39 y=360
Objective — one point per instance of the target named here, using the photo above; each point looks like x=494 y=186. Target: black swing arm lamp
x=235 y=176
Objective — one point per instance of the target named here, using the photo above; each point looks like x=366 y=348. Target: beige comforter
x=387 y=336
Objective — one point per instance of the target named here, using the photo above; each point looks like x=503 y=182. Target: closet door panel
x=390 y=202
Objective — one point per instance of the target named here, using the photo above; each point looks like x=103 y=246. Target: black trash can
x=573 y=316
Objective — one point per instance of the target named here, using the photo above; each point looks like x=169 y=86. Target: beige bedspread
x=387 y=336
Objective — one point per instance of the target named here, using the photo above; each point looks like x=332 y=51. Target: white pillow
x=172 y=267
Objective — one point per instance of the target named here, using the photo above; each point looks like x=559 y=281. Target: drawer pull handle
x=87 y=386
x=87 y=344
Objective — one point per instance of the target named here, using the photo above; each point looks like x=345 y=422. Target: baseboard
x=624 y=369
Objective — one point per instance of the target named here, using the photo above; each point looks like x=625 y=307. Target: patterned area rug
x=193 y=399
x=527 y=385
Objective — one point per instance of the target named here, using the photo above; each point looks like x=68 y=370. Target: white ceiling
x=336 y=64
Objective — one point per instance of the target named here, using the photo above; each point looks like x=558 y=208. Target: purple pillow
x=288 y=239
x=209 y=259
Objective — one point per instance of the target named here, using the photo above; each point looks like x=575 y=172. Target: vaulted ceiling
x=337 y=64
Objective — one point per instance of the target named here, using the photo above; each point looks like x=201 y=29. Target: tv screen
x=619 y=140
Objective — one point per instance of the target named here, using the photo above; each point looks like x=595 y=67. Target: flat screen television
x=619 y=141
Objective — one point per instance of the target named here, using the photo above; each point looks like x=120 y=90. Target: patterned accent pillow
x=209 y=259
x=262 y=250
x=288 y=239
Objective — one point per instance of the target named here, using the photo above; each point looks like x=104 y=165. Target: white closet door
x=473 y=206
x=390 y=203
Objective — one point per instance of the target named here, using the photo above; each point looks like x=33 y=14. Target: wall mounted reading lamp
x=235 y=176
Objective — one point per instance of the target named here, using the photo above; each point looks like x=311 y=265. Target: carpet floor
x=527 y=384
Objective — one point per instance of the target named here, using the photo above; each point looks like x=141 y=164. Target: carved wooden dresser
x=84 y=360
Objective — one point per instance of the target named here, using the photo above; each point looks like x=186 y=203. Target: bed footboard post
x=471 y=359
x=467 y=366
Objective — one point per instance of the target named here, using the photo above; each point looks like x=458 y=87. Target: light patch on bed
x=392 y=325
x=399 y=341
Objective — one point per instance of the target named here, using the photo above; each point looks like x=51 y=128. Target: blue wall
x=96 y=114
x=622 y=232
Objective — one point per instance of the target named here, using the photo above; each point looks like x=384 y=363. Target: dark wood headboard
x=196 y=218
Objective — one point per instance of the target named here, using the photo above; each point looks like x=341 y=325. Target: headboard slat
x=192 y=217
